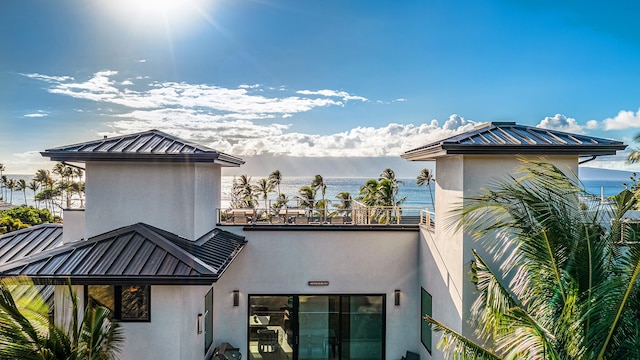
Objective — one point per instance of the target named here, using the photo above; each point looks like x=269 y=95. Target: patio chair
x=240 y=220
x=337 y=220
x=277 y=219
x=301 y=220
x=267 y=340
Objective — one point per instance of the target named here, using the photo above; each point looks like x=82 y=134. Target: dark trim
x=422 y=294
x=120 y=280
x=377 y=227
x=64 y=156
x=117 y=301
x=296 y=306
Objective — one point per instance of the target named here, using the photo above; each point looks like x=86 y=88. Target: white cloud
x=48 y=78
x=142 y=60
x=592 y=124
x=127 y=82
x=624 y=120
x=25 y=162
x=400 y=100
x=241 y=121
x=333 y=93
x=38 y=114
x=561 y=123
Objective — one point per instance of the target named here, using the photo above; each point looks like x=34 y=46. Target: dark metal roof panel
x=510 y=138
x=139 y=252
x=26 y=242
x=152 y=145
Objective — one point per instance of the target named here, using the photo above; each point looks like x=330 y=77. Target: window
x=425 y=309
x=208 y=320
x=316 y=327
x=127 y=303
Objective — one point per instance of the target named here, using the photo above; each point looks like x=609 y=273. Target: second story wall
x=178 y=197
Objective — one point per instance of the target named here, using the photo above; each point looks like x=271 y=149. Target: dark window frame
x=426 y=334
x=296 y=296
x=117 y=302
x=208 y=321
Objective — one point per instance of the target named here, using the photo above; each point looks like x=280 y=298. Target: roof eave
x=431 y=153
x=216 y=158
x=120 y=280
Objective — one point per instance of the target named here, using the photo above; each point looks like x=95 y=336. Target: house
x=151 y=245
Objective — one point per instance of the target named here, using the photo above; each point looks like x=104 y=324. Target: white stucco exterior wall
x=178 y=197
x=172 y=332
x=354 y=262
x=73 y=225
x=445 y=255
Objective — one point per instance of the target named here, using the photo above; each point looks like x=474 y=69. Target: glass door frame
x=295 y=322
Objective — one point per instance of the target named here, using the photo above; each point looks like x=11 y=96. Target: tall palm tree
x=21 y=185
x=11 y=185
x=275 y=178
x=33 y=186
x=28 y=332
x=244 y=192
x=2 y=180
x=368 y=193
x=263 y=189
x=426 y=178
x=318 y=184
x=567 y=286
x=344 y=203
x=307 y=197
x=389 y=174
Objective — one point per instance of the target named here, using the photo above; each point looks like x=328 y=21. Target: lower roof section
x=138 y=253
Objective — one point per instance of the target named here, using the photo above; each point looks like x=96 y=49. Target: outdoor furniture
x=240 y=219
x=336 y=220
x=277 y=220
x=301 y=220
x=267 y=340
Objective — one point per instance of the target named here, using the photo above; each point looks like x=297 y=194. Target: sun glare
x=174 y=16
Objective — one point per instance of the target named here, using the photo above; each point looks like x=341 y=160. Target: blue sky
x=292 y=78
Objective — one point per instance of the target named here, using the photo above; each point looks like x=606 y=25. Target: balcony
x=358 y=214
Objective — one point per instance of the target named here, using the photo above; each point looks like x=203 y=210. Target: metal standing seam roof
x=511 y=138
x=152 y=145
x=137 y=253
x=30 y=241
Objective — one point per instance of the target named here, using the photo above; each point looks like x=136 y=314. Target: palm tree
x=318 y=184
x=43 y=177
x=280 y=202
x=389 y=174
x=307 y=197
x=262 y=190
x=33 y=186
x=2 y=180
x=28 y=331
x=11 y=185
x=21 y=185
x=243 y=192
x=567 y=287
x=344 y=206
x=369 y=192
x=275 y=178
x=425 y=178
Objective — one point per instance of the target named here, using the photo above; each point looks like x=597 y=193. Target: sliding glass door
x=319 y=327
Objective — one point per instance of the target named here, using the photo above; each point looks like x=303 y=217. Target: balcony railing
x=359 y=214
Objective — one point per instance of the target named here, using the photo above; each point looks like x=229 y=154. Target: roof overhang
x=147 y=146
x=221 y=159
x=509 y=138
